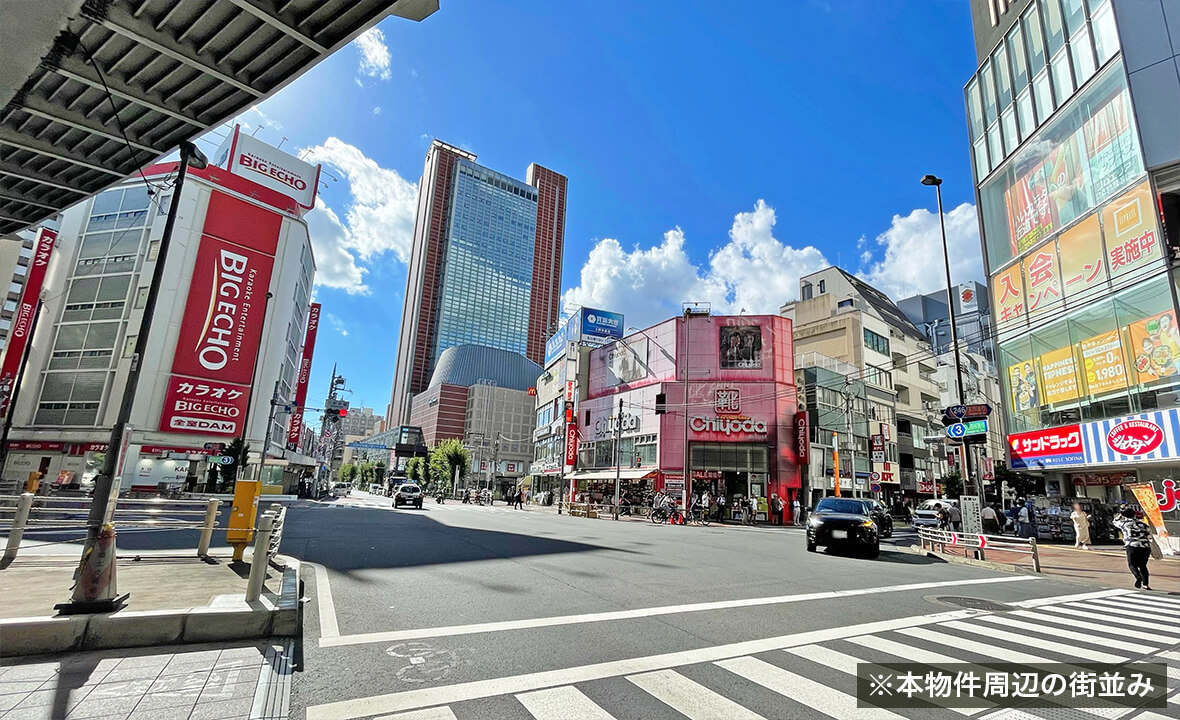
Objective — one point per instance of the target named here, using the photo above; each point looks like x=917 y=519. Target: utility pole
x=618 y=442
x=270 y=419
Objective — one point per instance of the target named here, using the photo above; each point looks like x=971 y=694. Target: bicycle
x=698 y=516
x=661 y=515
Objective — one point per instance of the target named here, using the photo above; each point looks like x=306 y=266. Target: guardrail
x=25 y=512
x=933 y=537
x=266 y=545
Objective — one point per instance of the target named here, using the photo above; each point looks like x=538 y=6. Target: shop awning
x=624 y=474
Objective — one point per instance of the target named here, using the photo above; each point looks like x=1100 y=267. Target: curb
x=232 y=621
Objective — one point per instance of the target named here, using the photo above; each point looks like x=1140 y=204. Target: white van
x=341 y=489
x=376 y=489
x=926 y=516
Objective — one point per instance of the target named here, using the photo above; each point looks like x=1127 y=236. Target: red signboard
x=1135 y=437
x=164 y=449
x=926 y=486
x=83 y=448
x=571 y=444
x=296 y=428
x=223 y=318
x=203 y=407
x=22 y=319
x=1043 y=448
x=802 y=438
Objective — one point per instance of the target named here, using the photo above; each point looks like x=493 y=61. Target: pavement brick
x=44 y=712
x=104 y=707
x=235 y=691
x=178 y=712
x=21 y=687
x=124 y=688
x=40 y=697
x=7 y=702
x=234 y=675
x=189 y=685
x=32 y=671
x=222 y=710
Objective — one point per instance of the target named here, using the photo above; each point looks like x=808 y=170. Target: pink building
x=741 y=410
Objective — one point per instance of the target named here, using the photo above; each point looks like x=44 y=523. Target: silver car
x=408 y=494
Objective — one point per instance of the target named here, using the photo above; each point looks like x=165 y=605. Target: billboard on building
x=22 y=319
x=295 y=429
x=741 y=347
x=627 y=361
x=1140 y=438
x=222 y=325
x=601 y=325
x=586 y=326
x=270 y=167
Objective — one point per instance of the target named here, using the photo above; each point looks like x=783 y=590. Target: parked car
x=376 y=489
x=927 y=516
x=408 y=494
x=341 y=489
x=880 y=515
x=845 y=522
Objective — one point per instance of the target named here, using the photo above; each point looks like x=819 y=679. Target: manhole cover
x=972 y=603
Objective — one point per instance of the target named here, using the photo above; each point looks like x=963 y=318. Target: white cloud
x=335 y=266
x=337 y=324
x=380 y=213
x=913 y=261
x=377 y=110
x=375 y=58
x=754 y=271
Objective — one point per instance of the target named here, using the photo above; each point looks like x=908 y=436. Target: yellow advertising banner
x=1022 y=384
x=1132 y=232
x=1102 y=358
x=1008 y=295
x=1059 y=377
x=1155 y=344
x=1042 y=279
x=1082 y=264
x=1145 y=494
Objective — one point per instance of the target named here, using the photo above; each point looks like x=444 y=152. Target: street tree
x=348 y=473
x=952 y=485
x=454 y=454
x=414 y=469
x=439 y=472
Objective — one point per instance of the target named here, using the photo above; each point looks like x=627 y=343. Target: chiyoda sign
x=223 y=317
x=296 y=427
x=270 y=167
x=728 y=425
x=22 y=320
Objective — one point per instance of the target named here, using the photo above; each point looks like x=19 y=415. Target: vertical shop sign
x=22 y=319
x=221 y=329
x=296 y=427
x=1132 y=233
x=802 y=438
x=1042 y=278
x=1082 y=263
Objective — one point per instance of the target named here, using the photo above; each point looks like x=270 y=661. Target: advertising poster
x=1102 y=359
x=627 y=362
x=1132 y=233
x=1059 y=378
x=1155 y=345
x=295 y=428
x=741 y=347
x=22 y=319
x=1145 y=494
x=1082 y=264
x=1111 y=148
x=1022 y=384
x=1008 y=294
x=203 y=407
x=1067 y=187
x=1046 y=448
x=1042 y=279
x=1030 y=216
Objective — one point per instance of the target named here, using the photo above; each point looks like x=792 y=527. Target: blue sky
x=715 y=151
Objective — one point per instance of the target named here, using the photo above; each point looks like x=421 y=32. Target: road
x=461 y=612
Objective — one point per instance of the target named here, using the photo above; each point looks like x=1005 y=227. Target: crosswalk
x=816 y=679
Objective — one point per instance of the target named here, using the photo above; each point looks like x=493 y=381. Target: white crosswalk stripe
x=817 y=676
x=1136 y=611
x=691 y=699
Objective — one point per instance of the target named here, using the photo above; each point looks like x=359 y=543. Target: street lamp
x=104 y=491
x=936 y=182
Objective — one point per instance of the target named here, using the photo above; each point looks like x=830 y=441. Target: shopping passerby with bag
x=1137 y=541
x=776 y=509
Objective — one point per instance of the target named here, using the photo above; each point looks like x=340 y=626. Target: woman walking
x=1081 y=527
x=1137 y=541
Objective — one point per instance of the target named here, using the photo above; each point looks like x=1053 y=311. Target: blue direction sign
x=980 y=410
x=973 y=427
x=368 y=446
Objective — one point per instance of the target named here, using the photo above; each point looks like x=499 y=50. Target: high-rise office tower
x=485 y=267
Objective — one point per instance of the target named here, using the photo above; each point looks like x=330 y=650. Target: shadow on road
x=368 y=538
x=888 y=555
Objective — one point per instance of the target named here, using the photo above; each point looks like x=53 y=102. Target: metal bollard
x=261 y=558
x=1032 y=541
x=207 y=528
x=19 y=521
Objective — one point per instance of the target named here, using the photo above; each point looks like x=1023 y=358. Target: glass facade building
x=1075 y=239
x=488 y=262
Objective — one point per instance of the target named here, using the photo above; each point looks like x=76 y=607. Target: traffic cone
x=97 y=583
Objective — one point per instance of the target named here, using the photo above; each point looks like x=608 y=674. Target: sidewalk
x=1105 y=565
x=215 y=681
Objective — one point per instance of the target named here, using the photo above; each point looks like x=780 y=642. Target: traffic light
x=333 y=416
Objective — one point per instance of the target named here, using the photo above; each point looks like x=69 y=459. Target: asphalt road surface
x=462 y=612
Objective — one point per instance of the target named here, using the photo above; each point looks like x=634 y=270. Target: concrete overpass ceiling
x=109 y=86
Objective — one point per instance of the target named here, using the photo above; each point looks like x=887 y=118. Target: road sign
x=875 y=488
x=969 y=508
x=963 y=429
x=875 y=476
x=218 y=447
x=959 y=412
x=221 y=459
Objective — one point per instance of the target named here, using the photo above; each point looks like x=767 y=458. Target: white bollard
x=207 y=528
x=260 y=559
x=19 y=521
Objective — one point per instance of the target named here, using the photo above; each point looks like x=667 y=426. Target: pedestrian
x=1137 y=542
x=956 y=516
x=753 y=503
x=991 y=525
x=1081 y=527
x=721 y=509
x=776 y=509
x=943 y=517
x=1026 y=517
x=795 y=511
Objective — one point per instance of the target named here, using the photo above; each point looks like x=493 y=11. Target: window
x=844 y=303
x=806 y=293
x=875 y=342
x=878 y=376
x=821 y=287
x=1106 y=37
